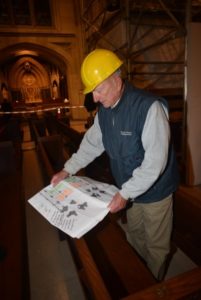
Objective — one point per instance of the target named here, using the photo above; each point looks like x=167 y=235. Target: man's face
x=108 y=91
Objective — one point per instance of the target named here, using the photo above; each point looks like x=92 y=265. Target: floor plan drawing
x=74 y=205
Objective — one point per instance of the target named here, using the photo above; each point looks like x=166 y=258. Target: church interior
x=43 y=117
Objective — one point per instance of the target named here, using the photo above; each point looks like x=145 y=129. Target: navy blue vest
x=121 y=129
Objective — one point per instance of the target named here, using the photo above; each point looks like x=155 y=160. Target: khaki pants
x=149 y=232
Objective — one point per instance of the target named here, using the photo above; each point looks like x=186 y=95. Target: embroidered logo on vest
x=126 y=132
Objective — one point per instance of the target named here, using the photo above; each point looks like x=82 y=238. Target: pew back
x=187 y=221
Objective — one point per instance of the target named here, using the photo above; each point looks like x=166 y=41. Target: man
x=132 y=127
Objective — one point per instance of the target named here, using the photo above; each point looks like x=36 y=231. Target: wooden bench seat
x=187 y=221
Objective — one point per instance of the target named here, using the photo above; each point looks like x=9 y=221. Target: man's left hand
x=117 y=203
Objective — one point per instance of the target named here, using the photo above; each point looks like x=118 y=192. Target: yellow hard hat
x=97 y=66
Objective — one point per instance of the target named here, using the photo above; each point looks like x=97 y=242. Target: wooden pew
x=109 y=266
x=51 y=154
x=106 y=271
x=14 y=279
x=50 y=122
x=8 y=161
x=71 y=137
x=186 y=286
x=37 y=128
x=187 y=221
x=10 y=131
x=89 y=273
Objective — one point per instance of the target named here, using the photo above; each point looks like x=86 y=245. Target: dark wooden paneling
x=14 y=279
x=187 y=221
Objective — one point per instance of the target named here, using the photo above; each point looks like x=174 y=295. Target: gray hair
x=118 y=72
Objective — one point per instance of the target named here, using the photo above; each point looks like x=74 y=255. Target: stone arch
x=31 y=52
x=30 y=78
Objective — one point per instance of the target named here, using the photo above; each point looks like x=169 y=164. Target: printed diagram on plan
x=75 y=205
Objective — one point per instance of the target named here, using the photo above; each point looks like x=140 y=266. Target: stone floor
x=51 y=268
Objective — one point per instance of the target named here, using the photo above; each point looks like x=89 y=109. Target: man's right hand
x=58 y=177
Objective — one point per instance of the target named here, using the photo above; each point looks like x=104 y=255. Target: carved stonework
x=30 y=89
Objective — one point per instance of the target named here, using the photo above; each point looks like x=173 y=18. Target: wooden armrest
x=90 y=270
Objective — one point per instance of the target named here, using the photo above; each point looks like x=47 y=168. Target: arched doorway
x=33 y=75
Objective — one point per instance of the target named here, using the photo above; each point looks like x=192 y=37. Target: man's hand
x=58 y=177
x=117 y=203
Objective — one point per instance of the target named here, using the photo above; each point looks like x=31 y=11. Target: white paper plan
x=75 y=205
